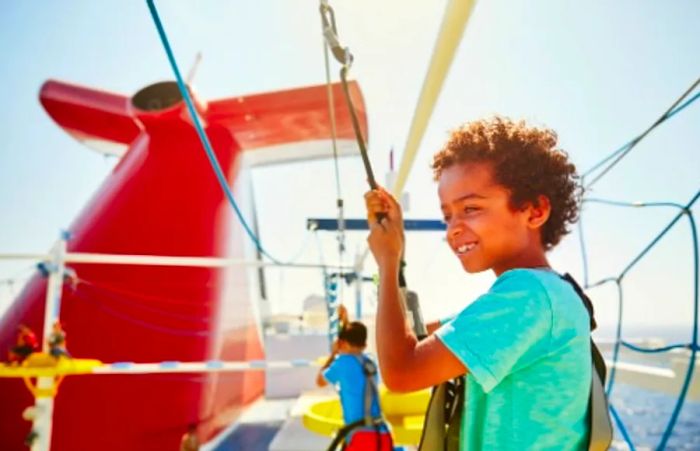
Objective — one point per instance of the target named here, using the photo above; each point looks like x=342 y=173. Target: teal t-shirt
x=526 y=347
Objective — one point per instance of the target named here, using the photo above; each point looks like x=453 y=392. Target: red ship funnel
x=162 y=199
x=159 y=101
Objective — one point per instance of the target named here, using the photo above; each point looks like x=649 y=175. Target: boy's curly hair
x=524 y=160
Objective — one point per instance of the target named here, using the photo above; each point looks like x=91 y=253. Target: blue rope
x=202 y=135
x=621 y=427
x=656 y=350
x=618 y=339
x=694 y=344
x=584 y=254
x=684 y=210
x=628 y=146
x=678 y=109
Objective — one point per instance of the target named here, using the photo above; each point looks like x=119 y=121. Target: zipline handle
x=345 y=58
x=358 y=132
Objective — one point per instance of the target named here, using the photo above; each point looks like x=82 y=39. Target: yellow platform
x=40 y=364
x=405 y=413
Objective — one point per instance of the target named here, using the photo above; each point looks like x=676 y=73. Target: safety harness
x=442 y=424
x=369 y=369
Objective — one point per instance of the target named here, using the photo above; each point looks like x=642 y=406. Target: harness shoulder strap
x=369 y=370
x=443 y=417
x=598 y=416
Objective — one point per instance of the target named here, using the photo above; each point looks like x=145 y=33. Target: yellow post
x=454 y=21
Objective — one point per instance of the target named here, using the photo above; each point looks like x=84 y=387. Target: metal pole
x=358 y=288
x=42 y=423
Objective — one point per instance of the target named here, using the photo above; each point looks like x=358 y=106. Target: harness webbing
x=369 y=370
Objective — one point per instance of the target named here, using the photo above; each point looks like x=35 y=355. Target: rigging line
x=623 y=430
x=139 y=300
x=143 y=296
x=340 y=236
x=618 y=339
x=144 y=324
x=145 y=307
x=202 y=135
x=694 y=349
x=678 y=216
x=345 y=58
x=324 y=268
x=656 y=350
x=334 y=139
x=696 y=301
x=582 y=243
x=624 y=147
x=302 y=248
x=628 y=148
x=685 y=209
x=601 y=282
x=582 y=246
x=633 y=204
x=321 y=258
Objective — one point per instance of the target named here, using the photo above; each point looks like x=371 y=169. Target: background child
x=26 y=344
x=57 y=341
x=346 y=370
x=507 y=195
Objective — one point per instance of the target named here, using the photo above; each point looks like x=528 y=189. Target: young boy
x=346 y=369
x=26 y=344
x=57 y=341
x=507 y=195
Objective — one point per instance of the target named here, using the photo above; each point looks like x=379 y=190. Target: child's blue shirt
x=346 y=374
x=526 y=346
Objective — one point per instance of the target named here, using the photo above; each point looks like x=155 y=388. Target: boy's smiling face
x=483 y=230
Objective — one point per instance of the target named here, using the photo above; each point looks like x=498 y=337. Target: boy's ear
x=538 y=213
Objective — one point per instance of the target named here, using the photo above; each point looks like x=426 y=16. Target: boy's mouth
x=464 y=248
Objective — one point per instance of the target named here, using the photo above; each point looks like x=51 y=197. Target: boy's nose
x=454 y=229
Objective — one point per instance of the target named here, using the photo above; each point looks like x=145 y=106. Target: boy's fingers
x=376 y=204
x=389 y=197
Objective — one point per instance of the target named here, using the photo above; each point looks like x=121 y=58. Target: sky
x=597 y=72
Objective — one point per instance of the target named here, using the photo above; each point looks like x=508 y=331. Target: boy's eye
x=470 y=209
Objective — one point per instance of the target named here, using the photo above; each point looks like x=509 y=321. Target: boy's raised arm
x=405 y=363
x=320 y=378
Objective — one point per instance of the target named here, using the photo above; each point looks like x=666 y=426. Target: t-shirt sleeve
x=444 y=321
x=333 y=372
x=504 y=330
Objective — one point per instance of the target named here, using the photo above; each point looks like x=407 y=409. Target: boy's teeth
x=465 y=247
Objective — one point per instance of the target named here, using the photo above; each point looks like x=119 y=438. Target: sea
x=645 y=414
